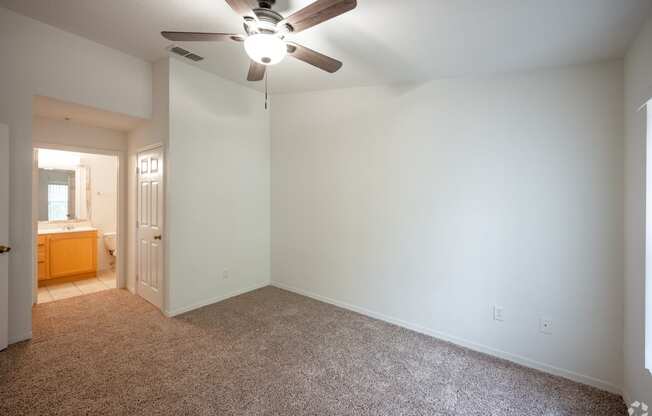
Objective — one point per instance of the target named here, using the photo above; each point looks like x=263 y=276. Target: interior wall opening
x=83 y=155
x=77 y=231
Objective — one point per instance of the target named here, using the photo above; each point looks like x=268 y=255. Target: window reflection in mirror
x=56 y=195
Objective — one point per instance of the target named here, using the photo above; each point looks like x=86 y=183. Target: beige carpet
x=268 y=352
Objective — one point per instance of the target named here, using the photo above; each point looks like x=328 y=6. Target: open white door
x=4 y=236
x=150 y=226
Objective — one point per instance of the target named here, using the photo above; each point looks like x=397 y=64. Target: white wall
x=429 y=204
x=638 y=88
x=218 y=204
x=104 y=199
x=155 y=131
x=71 y=134
x=41 y=60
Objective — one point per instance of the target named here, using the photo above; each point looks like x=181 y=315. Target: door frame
x=121 y=201
x=5 y=144
x=134 y=231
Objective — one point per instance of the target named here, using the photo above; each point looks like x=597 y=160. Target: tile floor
x=103 y=281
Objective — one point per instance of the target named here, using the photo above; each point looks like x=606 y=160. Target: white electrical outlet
x=225 y=274
x=545 y=325
x=499 y=313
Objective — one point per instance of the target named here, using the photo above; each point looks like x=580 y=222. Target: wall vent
x=186 y=54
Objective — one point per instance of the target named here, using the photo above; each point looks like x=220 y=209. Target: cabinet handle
x=157 y=237
x=4 y=249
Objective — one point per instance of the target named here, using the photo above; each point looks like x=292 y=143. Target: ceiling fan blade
x=319 y=12
x=314 y=58
x=201 y=36
x=256 y=71
x=243 y=8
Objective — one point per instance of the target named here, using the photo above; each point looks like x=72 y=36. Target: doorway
x=77 y=230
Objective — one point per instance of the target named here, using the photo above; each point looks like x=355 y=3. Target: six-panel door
x=150 y=226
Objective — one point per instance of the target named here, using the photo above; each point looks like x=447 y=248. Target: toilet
x=110 y=246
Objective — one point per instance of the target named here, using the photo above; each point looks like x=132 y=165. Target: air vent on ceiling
x=179 y=51
x=194 y=57
x=186 y=54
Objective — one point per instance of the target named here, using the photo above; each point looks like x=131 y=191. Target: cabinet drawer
x=42 y=254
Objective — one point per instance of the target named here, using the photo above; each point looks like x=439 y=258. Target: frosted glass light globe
x=265 y=48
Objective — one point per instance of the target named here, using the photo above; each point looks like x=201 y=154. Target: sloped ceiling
x=380 y=42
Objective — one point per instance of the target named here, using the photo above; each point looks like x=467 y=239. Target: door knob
x=4 y=249
x=157 y=237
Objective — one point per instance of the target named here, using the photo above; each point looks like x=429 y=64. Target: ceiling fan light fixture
x=266 y=49
x=266 y=29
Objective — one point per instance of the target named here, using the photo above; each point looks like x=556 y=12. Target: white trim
x=213 y=300
x=20 y=338
x=580 y=378
x=647 y=259
x=149 y=147
x=627 y=398
x=645 y=99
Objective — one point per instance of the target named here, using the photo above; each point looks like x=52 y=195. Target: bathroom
x=77 y=207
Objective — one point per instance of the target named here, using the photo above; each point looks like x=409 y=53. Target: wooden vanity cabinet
x=70 y=254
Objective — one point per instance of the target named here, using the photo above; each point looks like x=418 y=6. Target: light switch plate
x=499 y=313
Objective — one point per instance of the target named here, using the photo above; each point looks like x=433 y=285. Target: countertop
x=83 y=229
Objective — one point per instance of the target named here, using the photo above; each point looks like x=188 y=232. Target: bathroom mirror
x=63 y=194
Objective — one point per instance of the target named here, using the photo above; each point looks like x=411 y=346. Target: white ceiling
x=380 y=42
x=80 y=114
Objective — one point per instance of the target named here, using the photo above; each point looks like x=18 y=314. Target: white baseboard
x=18 y=338
x=580 y=378
x=627 y=398
x=212 y=300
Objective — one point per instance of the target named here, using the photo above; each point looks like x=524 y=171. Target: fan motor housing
x=266 y=4
x=267 y=22
x=268 y=19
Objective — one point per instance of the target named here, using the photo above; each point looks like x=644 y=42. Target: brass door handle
x=157 y=237
x=4 y=249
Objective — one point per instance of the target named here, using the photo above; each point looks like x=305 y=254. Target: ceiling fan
x=266 y=30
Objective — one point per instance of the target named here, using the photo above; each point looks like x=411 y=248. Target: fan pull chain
x=266 y=93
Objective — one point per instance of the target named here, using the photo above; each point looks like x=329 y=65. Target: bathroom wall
x=103 y=195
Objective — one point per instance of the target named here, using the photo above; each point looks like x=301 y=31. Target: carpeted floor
x=268 y=352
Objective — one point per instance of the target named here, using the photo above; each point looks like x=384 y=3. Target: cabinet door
x=72 y=254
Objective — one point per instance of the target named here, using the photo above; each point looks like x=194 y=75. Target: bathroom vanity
x=69 y=253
